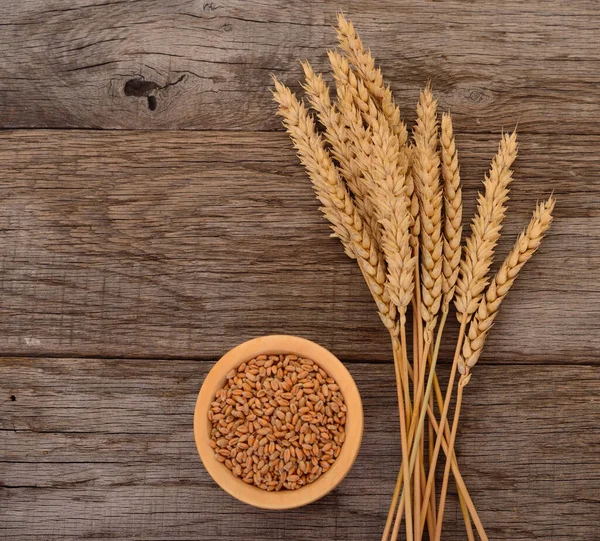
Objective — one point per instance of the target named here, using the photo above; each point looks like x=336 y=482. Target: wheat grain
x=452 y=208
x=525 y=246
x=426 y=173
x=338 y=206
x=479 y=249
x=411 y=193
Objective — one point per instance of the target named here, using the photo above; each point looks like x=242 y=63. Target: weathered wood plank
x=207 y=65
x=103 y=449
x=184 y=244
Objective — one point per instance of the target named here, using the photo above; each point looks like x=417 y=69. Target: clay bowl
x=284 y=499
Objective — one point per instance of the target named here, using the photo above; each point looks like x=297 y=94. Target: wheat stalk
x=485 y=229
x=384 y=164
x=477 y=259
x=525 y=246
x=450 y=260
x=377 y=151
x=367 y=74
x=426 y=178
x=452 y=208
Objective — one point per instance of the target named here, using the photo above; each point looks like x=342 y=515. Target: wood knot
x=142 y=88
x=476 y=96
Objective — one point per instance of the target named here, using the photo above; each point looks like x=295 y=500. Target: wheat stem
x=462 y=488
x=465 y=513
x=444 y=414
x=463 y=381
x=404 y=440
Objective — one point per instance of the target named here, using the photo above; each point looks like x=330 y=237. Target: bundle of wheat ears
x=396 y=205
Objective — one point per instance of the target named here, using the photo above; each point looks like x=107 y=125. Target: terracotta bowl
x=284 y=499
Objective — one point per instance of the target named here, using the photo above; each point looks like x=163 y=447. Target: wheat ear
x=426 y=174
x=338 y=135
x=350 y=104
x=376 y=150
x=389 y=197
x=382 y=159
x=452 y=208
x=485 y=229
x=337 y=204
x=363 y=61
x=345 y=76
x=372 y=78
x=525 y=246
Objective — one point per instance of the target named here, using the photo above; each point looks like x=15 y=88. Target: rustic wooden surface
x=133 y=254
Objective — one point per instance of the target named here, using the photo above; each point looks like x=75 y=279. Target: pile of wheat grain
x=278 y=422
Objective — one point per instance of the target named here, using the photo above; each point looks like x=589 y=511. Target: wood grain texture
x=103 y=449
x=198 y=64
x=167 y=248
x=184 y=244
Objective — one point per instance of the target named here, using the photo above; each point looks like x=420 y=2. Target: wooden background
x=153 y=215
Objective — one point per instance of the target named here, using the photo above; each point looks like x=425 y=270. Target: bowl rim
x=278 y=344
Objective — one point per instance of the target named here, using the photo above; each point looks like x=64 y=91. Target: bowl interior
x=216 y=378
